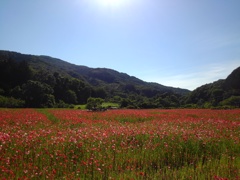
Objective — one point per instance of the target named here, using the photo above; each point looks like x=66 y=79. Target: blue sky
x=179 y=43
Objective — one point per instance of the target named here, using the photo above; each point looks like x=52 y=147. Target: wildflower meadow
x=120 y=144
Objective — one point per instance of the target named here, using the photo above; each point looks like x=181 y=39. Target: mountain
x=233 y=80
x=94 y=76
x=43 y=81
x=225 y=92
x=99 y=82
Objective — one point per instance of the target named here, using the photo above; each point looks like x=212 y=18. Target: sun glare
x=112 y=3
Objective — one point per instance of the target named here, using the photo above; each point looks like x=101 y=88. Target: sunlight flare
x=112 y=3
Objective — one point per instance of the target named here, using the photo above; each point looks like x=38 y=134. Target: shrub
x=10 y=102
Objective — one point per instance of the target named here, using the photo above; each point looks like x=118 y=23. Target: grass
x=49 y=116
x=108 y=104
x=82 y=106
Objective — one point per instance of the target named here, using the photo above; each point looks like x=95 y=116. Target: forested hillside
x=222 y=93
x=42 y=81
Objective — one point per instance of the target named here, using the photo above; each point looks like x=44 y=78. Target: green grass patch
x=81 y=106
x=108 y=104
x=49 y=115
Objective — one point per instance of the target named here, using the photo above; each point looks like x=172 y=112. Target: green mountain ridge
x=103 y=76
x=62 y=82
x=94 y=76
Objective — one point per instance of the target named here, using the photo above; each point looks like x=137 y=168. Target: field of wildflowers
x=119 y=144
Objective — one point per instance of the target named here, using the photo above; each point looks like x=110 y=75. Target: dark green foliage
x=94 y=103
x=71 y=90
x=37 y=94
x=45 y=77
x=43 y=81
x=233 y=101
x=48 y=101
x=1 y=91
x=70 y=97
x=206 y=93
x=16 y=92
x=10 y=102
x=13 y=73
x=99 y=92
x=61 y=104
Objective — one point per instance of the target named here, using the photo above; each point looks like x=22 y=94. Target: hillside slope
x=225 y=92
x=98 y=77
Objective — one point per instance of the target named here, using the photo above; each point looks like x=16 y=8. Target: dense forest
x=42 y=81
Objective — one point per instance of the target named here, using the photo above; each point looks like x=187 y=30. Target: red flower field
x=119 y=144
